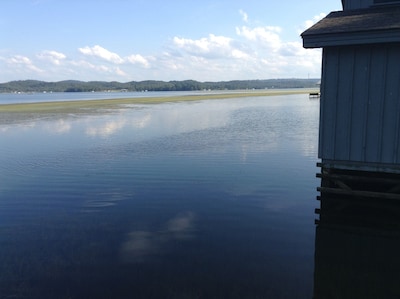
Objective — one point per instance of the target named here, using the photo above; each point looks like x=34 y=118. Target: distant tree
x=152 y=85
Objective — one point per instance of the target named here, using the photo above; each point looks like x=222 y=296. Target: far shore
x=75 y=106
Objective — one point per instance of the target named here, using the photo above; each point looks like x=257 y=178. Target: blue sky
x=126 y=40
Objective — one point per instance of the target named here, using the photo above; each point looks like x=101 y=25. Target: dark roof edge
x=351 y=38
x=352 y=27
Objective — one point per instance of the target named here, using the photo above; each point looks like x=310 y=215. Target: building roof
x=362 y=26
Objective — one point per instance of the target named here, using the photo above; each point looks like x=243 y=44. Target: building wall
x=356 y=4
x=360 y=104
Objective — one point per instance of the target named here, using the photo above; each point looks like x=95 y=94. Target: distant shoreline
x=26 y=86
x=75 y=106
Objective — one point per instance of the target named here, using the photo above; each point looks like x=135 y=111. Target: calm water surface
x=208 y=199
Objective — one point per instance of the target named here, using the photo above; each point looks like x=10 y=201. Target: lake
x=205 y=199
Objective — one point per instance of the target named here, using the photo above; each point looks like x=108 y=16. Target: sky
x=136 y=40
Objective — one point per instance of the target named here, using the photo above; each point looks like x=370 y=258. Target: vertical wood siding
x=356 y=4
x=360 y=109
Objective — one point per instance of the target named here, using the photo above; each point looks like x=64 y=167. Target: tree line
x=151 y=85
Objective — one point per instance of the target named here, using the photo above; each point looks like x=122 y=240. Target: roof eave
x=350 y=38
x=353 y=27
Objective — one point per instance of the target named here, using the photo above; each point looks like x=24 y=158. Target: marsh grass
x=82 y=105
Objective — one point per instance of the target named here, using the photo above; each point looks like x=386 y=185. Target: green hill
x=152 y=85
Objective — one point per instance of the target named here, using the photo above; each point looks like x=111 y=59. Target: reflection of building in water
x=357 y=248
x=357 y=241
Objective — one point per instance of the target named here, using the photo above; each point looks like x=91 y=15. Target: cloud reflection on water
x=61 y=126
x=140 y=244
x=149 y=121
x=107 y=128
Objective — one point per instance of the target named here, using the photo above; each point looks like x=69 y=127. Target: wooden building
x=359 y=148
x=359 y=135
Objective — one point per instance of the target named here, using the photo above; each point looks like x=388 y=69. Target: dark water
x=357 y=248
x=209 y=199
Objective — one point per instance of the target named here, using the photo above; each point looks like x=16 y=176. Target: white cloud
x=267 y=37
x=23 y=63
x=120 y=72
x=213 y=47
x=251 y=52
x=18 y=59
x=102 y=53
x=308 y=23
x=244 y=15
x=87 y=65
x=111 y=71
x=239 y=54
x=53 y=57
x=138 y=59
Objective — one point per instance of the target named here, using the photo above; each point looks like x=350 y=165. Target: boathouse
x=359 y=131
x=359 y=148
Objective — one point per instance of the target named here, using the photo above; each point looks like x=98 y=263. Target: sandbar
x=82 y=105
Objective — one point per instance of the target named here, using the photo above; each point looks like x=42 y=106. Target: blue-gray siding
x=360 y=104
x=356 y=4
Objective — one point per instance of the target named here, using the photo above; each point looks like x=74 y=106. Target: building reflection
x=357 y=248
